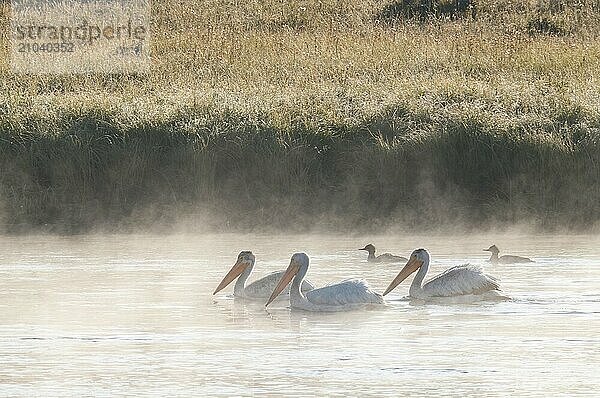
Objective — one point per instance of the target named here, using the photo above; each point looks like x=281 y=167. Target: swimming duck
x=495 y=259
x=382 y=258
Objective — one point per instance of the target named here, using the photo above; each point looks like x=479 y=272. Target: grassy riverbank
x=285 y=115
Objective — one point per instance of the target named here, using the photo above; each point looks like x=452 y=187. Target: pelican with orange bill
x=259 y=289
x=460 y=281
x=346 y=295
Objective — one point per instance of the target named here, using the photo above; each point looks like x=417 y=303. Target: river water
x=135 y=315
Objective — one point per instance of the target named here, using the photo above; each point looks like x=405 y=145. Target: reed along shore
x=320 y=115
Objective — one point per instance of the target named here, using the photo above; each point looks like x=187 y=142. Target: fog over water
x=96 y=315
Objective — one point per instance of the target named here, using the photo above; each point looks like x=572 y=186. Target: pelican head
x=416 y=260
x=370 y=248
x=245 y=259
x=298 y=266
x=493 y=249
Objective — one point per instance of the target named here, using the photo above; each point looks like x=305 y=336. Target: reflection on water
x=134 y=315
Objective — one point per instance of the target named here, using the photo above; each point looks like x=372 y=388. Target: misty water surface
x=135 y=315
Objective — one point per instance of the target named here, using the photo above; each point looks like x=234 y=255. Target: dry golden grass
x=328 y=59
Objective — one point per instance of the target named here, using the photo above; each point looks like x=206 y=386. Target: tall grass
x=286 y=115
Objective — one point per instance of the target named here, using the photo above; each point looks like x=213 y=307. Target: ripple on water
x=110 y=316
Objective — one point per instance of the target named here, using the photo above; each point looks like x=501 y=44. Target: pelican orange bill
x=411 y=266
x=290 y=272
x=235 y=271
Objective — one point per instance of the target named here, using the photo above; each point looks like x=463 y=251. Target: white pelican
x=460 y=281
x=495 y=259
x=259 y=289
x=382 y=258
x=346 y=295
